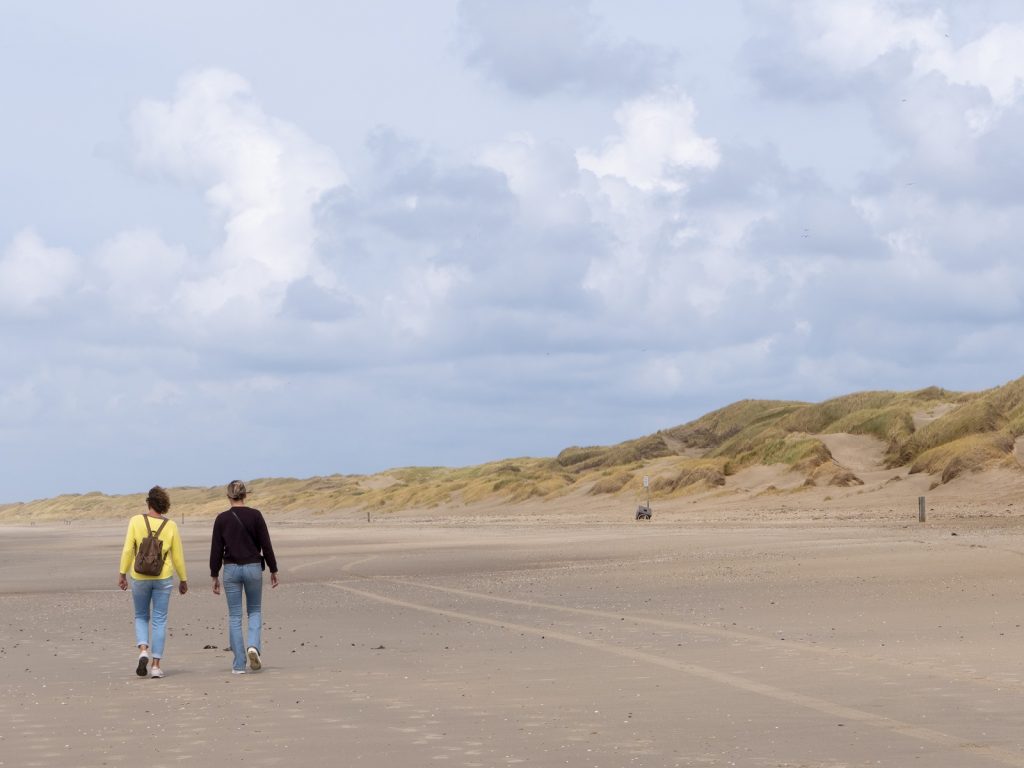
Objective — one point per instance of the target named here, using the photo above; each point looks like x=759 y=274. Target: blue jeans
x=247 y=578
x=151 y=598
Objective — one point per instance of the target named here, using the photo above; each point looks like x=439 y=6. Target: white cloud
x=421 y=296
x=851 y=35
x=34 y=275
x=657 y=143
x=668 y=259
x=665 y=271
x=994 y=61
x=262 y=175
x=694 y=370
x=544 y=178
x=535 y=47
x=140 y=272
x=664 y=262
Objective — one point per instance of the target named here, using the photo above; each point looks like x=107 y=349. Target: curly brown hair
x=158 y=500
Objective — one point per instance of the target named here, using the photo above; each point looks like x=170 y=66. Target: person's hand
x=183 y=587
x=122 y=581
x=273 y=580
x=216 y=585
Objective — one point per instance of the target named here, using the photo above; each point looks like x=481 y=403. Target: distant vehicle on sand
x=643 y=512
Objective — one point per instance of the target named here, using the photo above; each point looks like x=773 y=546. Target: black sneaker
x=143 y=662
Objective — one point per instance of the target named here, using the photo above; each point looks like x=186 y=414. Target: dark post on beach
x=920 y=509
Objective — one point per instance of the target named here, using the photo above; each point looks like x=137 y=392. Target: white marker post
x=647 y=485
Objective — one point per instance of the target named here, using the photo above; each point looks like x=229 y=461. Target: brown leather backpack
x=149 y=559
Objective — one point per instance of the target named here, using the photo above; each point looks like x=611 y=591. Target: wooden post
x=920 y=509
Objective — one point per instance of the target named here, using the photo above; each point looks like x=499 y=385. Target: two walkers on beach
x=240 y=544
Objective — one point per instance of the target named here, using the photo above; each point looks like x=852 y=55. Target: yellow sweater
x=175 y=560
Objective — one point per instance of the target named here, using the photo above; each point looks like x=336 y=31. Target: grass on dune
x=580 y=460
x=958 y=432
x=746 y=416
x=690 y=475
x=965 y=454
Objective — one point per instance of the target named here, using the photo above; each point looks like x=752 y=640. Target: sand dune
x=858 y=453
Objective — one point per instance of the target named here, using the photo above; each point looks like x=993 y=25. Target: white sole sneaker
x=237 y=671
x=254 y=658
x=157 y=672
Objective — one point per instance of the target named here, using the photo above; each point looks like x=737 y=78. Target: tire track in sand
x=944 y=672
x=738 y=682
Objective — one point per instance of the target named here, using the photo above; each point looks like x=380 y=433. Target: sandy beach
x=408 y=642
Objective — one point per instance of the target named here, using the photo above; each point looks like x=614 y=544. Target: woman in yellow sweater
x=152 y=594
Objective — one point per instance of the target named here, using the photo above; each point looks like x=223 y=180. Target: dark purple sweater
x=240 y=543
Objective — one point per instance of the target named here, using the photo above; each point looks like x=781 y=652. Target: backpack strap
x=149 y=529
x=247 y=532
x=156 y=533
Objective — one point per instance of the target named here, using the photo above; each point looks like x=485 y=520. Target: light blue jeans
x=151 y=598
x=248 y=579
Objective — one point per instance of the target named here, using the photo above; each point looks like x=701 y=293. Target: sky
x=257 y=239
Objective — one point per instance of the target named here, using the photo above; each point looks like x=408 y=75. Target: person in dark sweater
x=241 y=544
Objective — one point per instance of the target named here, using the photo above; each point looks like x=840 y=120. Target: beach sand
x=736 y=637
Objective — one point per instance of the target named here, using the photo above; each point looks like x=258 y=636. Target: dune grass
x=746 y=416
x=580 y=460
x=959 y=432
x=691 y=475
x=965 y=454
